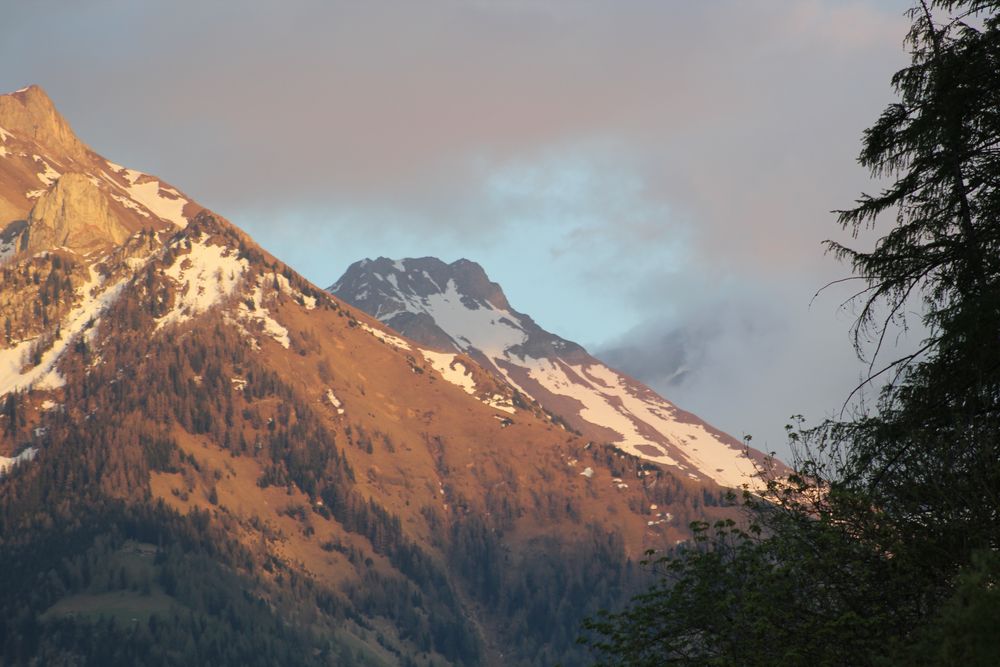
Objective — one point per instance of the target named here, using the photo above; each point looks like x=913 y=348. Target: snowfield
x=487 y=328
x=607 y=400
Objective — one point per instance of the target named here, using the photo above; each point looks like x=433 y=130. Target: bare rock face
x=30 y=113
x=73 y=213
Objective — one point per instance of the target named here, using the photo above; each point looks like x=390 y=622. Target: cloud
x=750 y=357
x=256 y=103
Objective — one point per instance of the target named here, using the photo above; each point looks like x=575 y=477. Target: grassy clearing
x=125 y=589
x=123 y=606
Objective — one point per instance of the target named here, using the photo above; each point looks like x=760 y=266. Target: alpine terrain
x=207 y=460
x=458 y=312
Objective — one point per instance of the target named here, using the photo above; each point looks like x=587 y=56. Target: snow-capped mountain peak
x=450 y=306
x=456 y=307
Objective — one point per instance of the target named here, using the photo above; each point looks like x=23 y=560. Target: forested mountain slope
x=208 y=460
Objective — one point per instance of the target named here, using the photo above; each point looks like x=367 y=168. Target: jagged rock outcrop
x=73 y=213
x=38 y=147
x=29 y=113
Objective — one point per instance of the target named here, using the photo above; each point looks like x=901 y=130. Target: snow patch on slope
x=130 y=204
x=451 y=370
x=274 y=329
x=206 y=275
x=334 y=401
x=7 y=462
x=457 y=373
x=725 y=464
x=395 y=341
x=14 y=377
x=597 y=407
x=501 y=403
x=608 y=401
x=149 y=194
x=260 y=314
x=491 y=330
x=48 y=175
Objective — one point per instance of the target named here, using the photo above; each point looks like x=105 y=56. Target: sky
x=651 y=179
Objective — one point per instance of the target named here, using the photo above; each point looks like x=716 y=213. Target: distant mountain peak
x=456 y=307
x=430 y=275
x=449 y=306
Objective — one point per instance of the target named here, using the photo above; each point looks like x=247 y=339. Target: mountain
x=456 y=310
x=205 y=459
